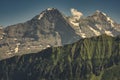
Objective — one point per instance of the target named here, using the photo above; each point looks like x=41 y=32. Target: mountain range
x=52 y=46
x=52 y=28
x=94 y=25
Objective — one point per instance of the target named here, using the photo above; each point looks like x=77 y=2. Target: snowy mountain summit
x=97 y=24
x=53 y=28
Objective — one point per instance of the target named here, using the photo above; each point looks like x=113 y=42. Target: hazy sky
x=17 y=11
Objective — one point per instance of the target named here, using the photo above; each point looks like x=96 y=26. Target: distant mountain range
x=52 y=28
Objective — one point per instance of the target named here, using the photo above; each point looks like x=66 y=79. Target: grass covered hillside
x=96 y=58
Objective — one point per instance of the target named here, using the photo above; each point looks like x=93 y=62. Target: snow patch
x=48 y=46
x=109 y=33
x=101 y=12
x=83 y=35
x=17 y=48
x=49 y=9
x=1 y=38
x=97 y=11
x=95 y=31
x=40 y=16
x=110 y=21
x=74 y=23
x=108 y=18
x=98 y=26
x=76 y=14
x=104 y=14
x=112 y=24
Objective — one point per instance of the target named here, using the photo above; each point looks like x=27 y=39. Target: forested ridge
x=96 y=58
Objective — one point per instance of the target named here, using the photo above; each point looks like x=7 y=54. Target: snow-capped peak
x=108 y=19
x=104 y=16
x=97 y=11
x=46 y=11
x=49 y=9
x=100 y=13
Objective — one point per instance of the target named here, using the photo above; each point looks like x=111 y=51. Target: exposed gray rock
x=95 y=25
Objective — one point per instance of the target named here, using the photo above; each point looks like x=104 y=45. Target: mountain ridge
x=52 y=28
x=95 y=25
x=86 y=59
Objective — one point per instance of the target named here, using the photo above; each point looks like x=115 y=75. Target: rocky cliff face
x=87 y=59
x=94 y=25
x=51 y=28
x=49 y=23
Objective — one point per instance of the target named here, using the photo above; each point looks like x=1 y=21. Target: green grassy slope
x=87 y=59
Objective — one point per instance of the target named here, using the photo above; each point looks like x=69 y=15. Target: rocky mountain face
x=94 y=25
x=96 y=58
x=51 y=28
x=49 y=23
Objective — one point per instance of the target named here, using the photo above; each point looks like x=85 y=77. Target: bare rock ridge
x=95 y=25
x=49 y=22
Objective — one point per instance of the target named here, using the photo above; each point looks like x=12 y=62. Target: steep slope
x=87 y=59
x=49 y=28
x=49 y=23
x=95 y=25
